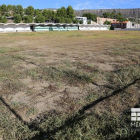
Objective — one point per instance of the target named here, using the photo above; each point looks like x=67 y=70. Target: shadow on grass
x=80 y=115
x=12 y=110
x=70 y=121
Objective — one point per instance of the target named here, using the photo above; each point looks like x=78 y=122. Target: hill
x=127 y=13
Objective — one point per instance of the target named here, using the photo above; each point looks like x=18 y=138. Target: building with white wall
x=83 y=19
x=23 y=27
x=124 y=25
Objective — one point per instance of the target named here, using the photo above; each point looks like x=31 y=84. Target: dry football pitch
x=69 y=85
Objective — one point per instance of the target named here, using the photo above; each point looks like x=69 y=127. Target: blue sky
x=76 y=4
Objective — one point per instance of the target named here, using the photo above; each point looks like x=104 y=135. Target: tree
x=4 y=19
x=90 y=16
x=9 y=8
x=122 y=19
x=75 y=21
x=62 y=20
x=94 y=17
x=57 y=20
x=132 y=19
x=62 y=12
x=118 y=15
x=68 y=20
x=14 y=9
x=3 y=9
x=53 y=15
x=89 y=22
x=112 y=14
x=17 y=19
x=27 y=19
x=106 y=15
x=0 y=9
x=49 y=15
x=7 y=14
x=19 y=10
x=0 y=19
x=30 y=11
x=36 y=12
x=64 y=15
x=107 y=22
x=70 y=12
x=81 y=21
x=40 y=18
x=46 y=14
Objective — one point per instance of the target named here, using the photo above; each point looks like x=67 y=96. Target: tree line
x=114 y=15
x=62 y=15
x=29 y=14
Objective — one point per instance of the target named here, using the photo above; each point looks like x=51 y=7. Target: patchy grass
x=69 y=76
x=69 y=85
x=11 y=127
x=10 y=86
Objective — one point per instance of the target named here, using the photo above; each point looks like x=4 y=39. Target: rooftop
x=119 y=22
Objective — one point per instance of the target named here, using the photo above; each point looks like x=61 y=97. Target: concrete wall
x=14 y=28
x=40 y=28
x=45 y=27
x=55 y=28
x=91 y=28
x=127 y=29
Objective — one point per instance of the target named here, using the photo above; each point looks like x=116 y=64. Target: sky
x=76 y=4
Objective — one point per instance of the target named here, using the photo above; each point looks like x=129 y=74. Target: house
x=126 y=25
x=135 y=25
x=121 y=25
x=83 y=19
x=101 y=21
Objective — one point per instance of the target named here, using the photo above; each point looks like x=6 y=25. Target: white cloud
x=82 y=5
x=57 y=5
x=100 y=4
x=88 y=4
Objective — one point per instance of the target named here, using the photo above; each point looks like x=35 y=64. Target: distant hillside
x=127 y=13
